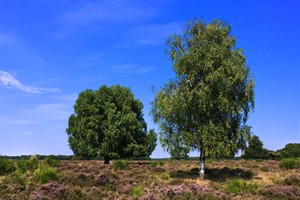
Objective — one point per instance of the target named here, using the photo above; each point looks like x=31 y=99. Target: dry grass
x=94 y=180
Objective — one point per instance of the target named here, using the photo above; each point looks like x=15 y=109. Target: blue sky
x=51 y=50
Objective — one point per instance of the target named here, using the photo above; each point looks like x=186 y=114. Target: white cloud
x=8 y=80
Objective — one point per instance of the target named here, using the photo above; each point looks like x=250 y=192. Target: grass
x=238 y=186
x=224 y=179
x=165 y=176
x=290 y=163
x=121 y=164
x=137 y=192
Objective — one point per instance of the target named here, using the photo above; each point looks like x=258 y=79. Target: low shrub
x=153 y=163
x=17 y=177
x=45 y=174
x=32 y=163
x=236 y=186
x=290 y=163
x=161 y=163
x=264 y=169
x=165 y=176
x=52 y=161
x=6 y=166
x=293 y=179
x=120 y=164
x=137 y=192
x=281 y=192
x=22 y=165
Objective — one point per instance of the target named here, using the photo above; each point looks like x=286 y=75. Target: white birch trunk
x=202 y=165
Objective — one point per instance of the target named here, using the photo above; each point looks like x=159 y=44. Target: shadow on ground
x=214 y=174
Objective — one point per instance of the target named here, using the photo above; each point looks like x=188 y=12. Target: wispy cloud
x=103 y=13
x=7 y=38
x=9 y=80
x=155 y=34
x=16 y=122
x=132 y=69
x=54 y=111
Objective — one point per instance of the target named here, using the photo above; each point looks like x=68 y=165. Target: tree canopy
x=255 y=149
x=290 y=150
x=108 y=123
x=206 y=105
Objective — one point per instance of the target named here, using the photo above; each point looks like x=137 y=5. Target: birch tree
x=206 y=105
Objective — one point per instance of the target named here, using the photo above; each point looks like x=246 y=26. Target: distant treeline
x=40 y=157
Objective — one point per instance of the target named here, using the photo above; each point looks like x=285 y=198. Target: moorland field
x=155 y=179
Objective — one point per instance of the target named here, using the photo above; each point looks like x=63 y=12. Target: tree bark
x=202 y=165
x=106 y=160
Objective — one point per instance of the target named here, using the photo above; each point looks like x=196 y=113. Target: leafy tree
x=206 y=105
x=108 y=123
x=290 y=150
x=179 y=152
x=255 y=149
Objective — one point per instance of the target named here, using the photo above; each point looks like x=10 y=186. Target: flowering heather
x=51 y=190
x=282 y=192
x=174 y=190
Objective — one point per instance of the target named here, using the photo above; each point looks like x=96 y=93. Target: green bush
x=45 y=174
x=22 y=165
x=6 y=167
x=52 y=161
x=290 y=163
x=18 y=177
x=33 y=163
x=120 y=164
x=161 y=163
x=165 y=176
x=236 y=186
x=153 y=163
x=137 y=192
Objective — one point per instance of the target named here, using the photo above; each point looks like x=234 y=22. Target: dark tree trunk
x=202 y=165
x=106 y=160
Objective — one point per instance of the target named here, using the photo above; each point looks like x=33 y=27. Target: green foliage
x=290 y=150
x=6 y=167
x=205 y=107
x=121 y=164
x=165 y=176
x=17 y=177
x=153 y=163
x=108 y=123
x=237 y=186
x=290 y=163
x=179 y=152
x=22 y=165
x=137 y=192
x=32 y=163
x=161 y=163
x=51 y=161
x=45 y=173
x=255 y=150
